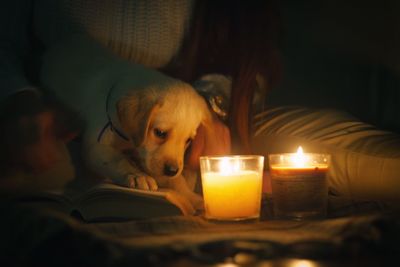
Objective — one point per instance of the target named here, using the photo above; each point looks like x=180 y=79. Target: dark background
x=342 y=54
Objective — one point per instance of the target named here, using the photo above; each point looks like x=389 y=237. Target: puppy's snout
x=170 y=169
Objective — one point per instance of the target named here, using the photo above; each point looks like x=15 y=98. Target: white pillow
x=365 y=161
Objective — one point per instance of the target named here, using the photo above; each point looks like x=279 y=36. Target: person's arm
x=214 y=140
x=80 y=63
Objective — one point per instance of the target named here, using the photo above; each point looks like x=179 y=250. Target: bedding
x=32 y=237
x=365 y=161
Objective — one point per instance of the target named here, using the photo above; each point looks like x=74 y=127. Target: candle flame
x=300 y=150
x=299 y=159
x=228 y=166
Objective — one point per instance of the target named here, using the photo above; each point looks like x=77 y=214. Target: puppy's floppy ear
x=135 y=112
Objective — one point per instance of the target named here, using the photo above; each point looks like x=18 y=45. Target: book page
x=104 y=187
x=109 y=202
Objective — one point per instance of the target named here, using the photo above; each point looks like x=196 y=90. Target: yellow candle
x=232 y=196
x=232 y=187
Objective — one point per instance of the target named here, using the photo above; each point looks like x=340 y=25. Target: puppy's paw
x=142 y=182
x=197 y=201
x=182 y=202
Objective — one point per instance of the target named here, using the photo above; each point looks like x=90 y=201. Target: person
x=196 y=54
x=189 y=40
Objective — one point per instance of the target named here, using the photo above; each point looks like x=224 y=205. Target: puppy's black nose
x=170 y=170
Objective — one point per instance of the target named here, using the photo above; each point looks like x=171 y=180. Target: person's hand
x=212 y=139
x=32 y=133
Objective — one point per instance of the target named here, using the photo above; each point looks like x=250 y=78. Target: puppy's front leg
x=110 y=163
x=180 y=185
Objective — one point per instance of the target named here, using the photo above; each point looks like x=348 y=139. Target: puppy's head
x=162 y=124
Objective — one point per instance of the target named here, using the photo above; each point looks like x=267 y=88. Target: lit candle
x=299 y=185
x=232 y=187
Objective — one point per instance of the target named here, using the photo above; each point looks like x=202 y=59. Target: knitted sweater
x=147 y=32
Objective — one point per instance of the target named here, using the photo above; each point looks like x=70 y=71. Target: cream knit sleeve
x=147 y=32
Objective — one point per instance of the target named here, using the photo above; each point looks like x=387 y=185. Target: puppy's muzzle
x=170 y=169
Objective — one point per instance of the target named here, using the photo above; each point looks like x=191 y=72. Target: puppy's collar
x=112 y=128
x=109 y=123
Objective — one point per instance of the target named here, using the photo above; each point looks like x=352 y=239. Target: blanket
x=31 y=237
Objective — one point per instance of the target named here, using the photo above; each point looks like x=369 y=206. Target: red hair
x=236 y=38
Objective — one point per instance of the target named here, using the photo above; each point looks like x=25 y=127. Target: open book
x=109 y=202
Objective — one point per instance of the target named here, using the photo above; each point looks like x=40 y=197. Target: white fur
x=176 y=110
x=138 y=100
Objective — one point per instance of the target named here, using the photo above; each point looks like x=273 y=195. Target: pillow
x=365 y=161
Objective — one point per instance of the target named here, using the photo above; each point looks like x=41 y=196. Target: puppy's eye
x=160 y=133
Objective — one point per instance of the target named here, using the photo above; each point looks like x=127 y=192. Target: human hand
x=213 y=139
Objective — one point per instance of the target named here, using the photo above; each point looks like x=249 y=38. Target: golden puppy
x=145 y=147
x=138 y=122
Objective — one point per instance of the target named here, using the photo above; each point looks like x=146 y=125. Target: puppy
x=138 y=122
x=144 y=146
